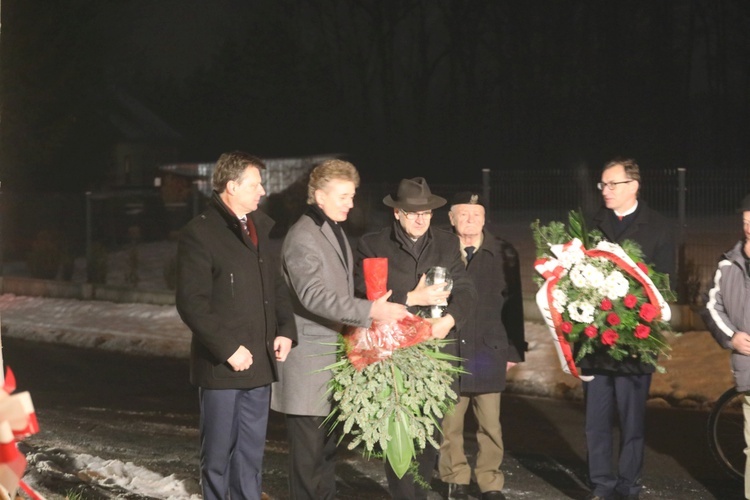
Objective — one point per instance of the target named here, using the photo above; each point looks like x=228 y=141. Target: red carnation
x=643 y=267
x=591 y=331
x=642 y=331
x=630 y=301
x=606 y=304
x=613 y=319
x=648 y=312
x=566 y=327
x=609 y=337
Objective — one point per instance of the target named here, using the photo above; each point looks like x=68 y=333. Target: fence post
x=486 y=187
x=89 y=243
x=682 y=268
x=195 y=199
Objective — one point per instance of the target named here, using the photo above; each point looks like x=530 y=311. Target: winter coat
x=493 y=335
x=320 y=279
x=229 y=294
x=441 y=249
x=655 y=235
x=728 y=309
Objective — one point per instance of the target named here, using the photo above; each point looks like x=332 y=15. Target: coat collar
x=603 y=220
x=263 y=223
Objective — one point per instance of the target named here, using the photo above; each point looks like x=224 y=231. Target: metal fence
x=701 y=202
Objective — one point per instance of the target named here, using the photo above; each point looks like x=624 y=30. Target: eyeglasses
x=415 y=215
x=611 y=185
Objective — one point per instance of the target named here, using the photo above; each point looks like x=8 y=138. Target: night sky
x=441 y=88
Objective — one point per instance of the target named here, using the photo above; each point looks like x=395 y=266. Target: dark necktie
x=249 y=227
x=469 y=253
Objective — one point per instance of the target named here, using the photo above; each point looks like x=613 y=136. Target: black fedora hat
x=745 y=205
x=414 y=195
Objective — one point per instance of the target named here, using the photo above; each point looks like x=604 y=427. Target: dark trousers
x=405 y=488
x=312 y=458
x=605 y=396
x=233 y=436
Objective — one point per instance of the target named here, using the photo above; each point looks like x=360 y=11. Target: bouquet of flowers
x=599 y=296
x=391 y=385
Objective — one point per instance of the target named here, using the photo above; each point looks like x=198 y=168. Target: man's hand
x=282 y=346
x=424 y=295
x=241 y=359
x=741 y=343
x=387 y=312
x=509 y=365
x=441 y=327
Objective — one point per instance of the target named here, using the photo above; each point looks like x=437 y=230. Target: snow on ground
x=697 y=372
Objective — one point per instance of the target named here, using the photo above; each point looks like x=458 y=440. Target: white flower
x=594 y=277
x=581 y=312
x=615 y=286
x=559 y=299
x=576 y=277
x=571 y=257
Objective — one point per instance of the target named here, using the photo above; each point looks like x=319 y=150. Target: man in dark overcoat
x=490 y=343
x=412 y=247
x=241 y=318
x=622 y=387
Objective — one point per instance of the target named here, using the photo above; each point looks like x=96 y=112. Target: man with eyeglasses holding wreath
x=412 y=247
x=622 y=387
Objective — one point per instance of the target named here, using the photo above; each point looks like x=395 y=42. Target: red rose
x=606 y=304
x=643 y=267
x=648 y=312
x=566 y=327
x=642 y=331
x=613 y=319
x=591 y=331
x=609 y=337
x=630 y=301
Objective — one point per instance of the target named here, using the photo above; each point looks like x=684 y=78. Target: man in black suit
x=242 y=321
x=622 y=386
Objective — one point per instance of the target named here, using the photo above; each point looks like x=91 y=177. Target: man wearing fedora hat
x=412 y=247
x=727 y=316
x=490 y=343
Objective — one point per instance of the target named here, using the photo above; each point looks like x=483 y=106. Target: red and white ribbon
x=17 y=420
x=552 y=269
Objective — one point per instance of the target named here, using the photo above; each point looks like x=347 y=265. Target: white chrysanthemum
x=571 y=257
x=581 y=312
x=559 y=299
x=576 y=276
x=594 y=277
x=615 y=286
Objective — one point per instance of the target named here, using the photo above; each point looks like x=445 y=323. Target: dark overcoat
x=493 y=335
x=229 y=294
x=404 y=270
x=655 y=234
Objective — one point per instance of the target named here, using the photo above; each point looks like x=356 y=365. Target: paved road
x=141 y=409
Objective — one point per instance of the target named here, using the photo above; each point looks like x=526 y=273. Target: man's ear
x=317 y=194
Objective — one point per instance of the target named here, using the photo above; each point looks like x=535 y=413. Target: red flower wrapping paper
x=365 y=346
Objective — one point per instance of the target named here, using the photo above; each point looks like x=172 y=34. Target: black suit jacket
x=655 y=234
x=229 y=294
